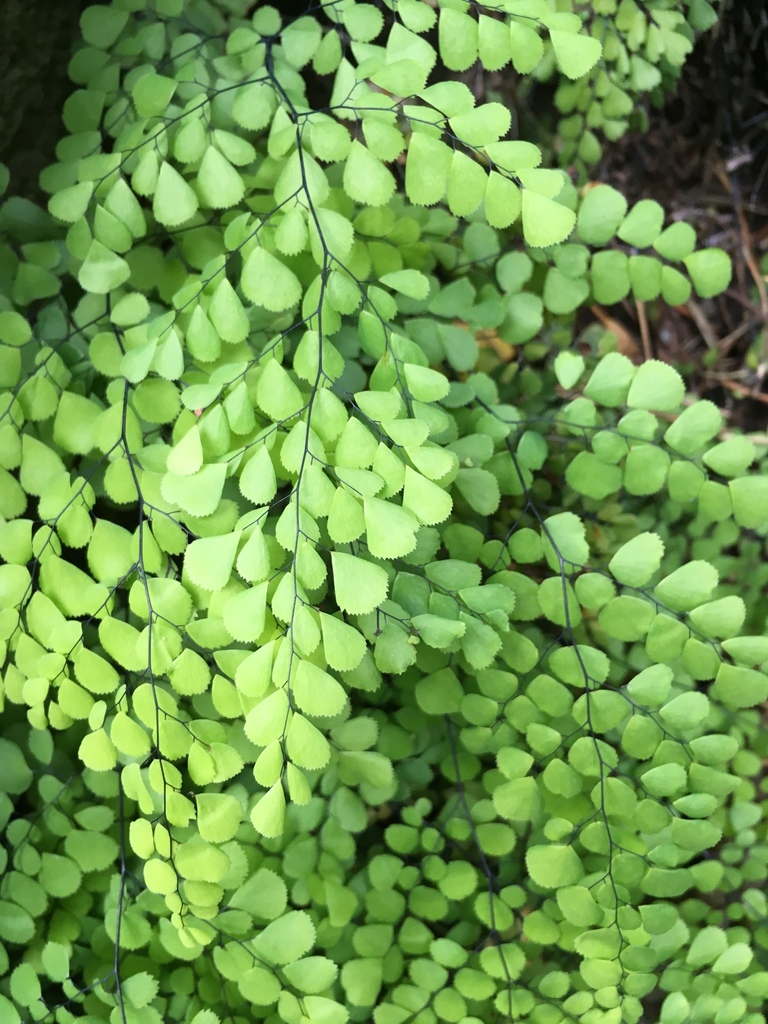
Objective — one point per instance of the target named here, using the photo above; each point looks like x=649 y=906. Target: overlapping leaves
x=274 y=554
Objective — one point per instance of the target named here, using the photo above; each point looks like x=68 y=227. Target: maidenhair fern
x=372 y=637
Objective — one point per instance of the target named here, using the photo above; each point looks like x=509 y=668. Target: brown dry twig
x=626 y=344
x=705 y=327
x=745 y=392
x=645 y=334
x=757 y=277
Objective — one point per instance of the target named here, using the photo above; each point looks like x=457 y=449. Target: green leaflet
x=218 y=183
x=174 y=201
x=600 y=213
x=316 y=692
x=638 y=560
x=554 y=866
x=426 y=170
x=545 y=222
x=483 y=126
x=360 y=586
x=366 y=179
x=152 y=93
x=102 y=270
x=269 y=283
x=576 y=54
x=209 y=561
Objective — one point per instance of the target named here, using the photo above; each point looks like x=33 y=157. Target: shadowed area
x=36 y=39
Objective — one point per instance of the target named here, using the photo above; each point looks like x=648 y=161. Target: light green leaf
x=438 y=632
x=267 y=282
x=427 y=167
x=97 y=751
x=186 y=456
x=707 y=945
x=313 y=974
x=71 y=203
x=591 y=476
x=366 y=179
x=425 y=384
x=140 y=989
x=686 y=711
x=643 y=224
x=440 y=693
x=365 y=766
x=244 y=614
x=101 y=25
x=575 y=52
x=664 y=780
x=514 y=155
x=749 y=495
x=600 y=213
x=733 y=960
x=152 y=93
x=545 y=222
x=360 y=586
x=287 y=939
x=458 y=39
x=526 y=45
x=218 y=816
x=190 y=141
x=554 y=866
x=401 y=77
x=694 y=427
x=430 y=503
x=254 y=105
x=635 y=563
x=720 y=619
x=160 y=877
x=568 y=367
x=268 y=814
x=198 y=494
x=467 y=183
x=292 y=234
x=208 y=562
x=749 y=650
x=408 y=282
x=656 y=385
x=482 y=126
x=218 y=183
x=344 y=646
x=345 y=517
x=676 y=242
x=518 y=800
x=688 y=586
x=257 y=479
x=316 y=692
x=390 y=529
x=732 y=457
x=102 y=270
x=739 y=687
x=710 y=271
x=558 y=602
x=493 y=43
x=306 y=746
x=276 y=393
x=611 y=379
x=264 y=894
x=503 y=201
x=174 y=202
x=480 y=489
x=300 y=40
